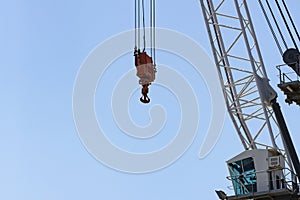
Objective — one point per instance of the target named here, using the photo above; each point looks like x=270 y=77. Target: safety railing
x=287 y=182
x=287 y=74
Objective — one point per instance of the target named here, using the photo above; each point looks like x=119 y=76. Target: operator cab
x=259 y=173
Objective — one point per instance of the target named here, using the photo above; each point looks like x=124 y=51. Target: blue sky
x=43 y=44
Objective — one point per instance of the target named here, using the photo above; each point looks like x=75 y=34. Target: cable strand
x=277 y=25
x=151 y=28
x=286 y=24
x=139 y=24
x=291 y=19
x=271 y=27
x=135 y=25
x=144 y=25
x=154 y=34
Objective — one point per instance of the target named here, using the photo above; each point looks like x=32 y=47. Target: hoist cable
x=154 y=32
x=286 y=24
x=151 y=28
x=291 y=19
x=277 y=25
x=144 y=26
x=135 y=25
x=140 y=27
x=271 y=27
x=139 y=24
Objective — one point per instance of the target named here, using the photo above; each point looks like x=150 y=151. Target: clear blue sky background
x=43 y=44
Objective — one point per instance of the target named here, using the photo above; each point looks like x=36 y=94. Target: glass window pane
x=243 y=176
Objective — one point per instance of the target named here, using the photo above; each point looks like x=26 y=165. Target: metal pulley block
x=145 y=70
x=291 y=57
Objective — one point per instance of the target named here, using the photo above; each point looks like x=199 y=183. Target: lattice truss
x=240 y=67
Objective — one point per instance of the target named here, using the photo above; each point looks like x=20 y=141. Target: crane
x=268 y=167
x=145 y=64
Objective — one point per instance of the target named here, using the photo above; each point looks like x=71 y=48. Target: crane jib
x=268 y=162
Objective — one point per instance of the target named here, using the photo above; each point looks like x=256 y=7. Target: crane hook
x=145 y=90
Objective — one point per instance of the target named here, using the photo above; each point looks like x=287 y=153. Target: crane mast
x=239 y=71
x=251 y=104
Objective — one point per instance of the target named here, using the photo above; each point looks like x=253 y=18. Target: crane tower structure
x=268 y=168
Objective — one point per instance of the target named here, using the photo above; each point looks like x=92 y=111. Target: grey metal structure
x=289 y=84
x=240 y=66
x=250 y=100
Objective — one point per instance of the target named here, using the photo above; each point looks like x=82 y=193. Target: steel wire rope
x=286 y=24
x=139 y=24
x=277 y=25
x=144 y=25
x=135 y=26
x=291 y=19
x=151 y=29
x=270 y=27
x=154 y=34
